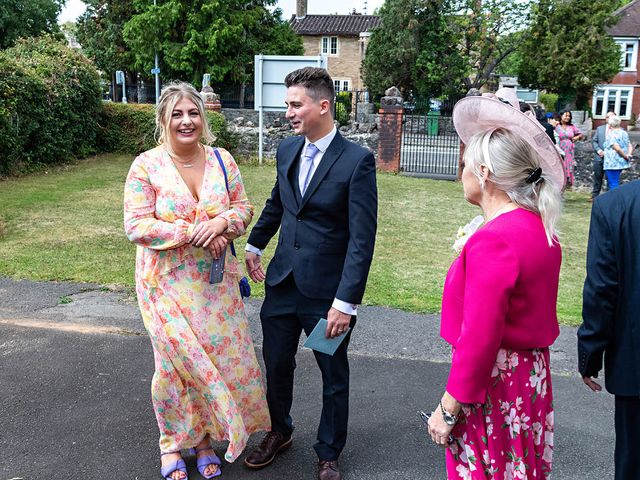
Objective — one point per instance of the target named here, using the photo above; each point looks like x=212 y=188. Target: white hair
x=511 y=161
x=614 y=121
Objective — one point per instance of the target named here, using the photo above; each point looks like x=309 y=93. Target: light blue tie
x=306 y=167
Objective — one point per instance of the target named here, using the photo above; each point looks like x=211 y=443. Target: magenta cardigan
x=499 y=293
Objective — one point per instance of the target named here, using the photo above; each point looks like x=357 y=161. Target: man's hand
x=254 y=267
x=337 y=323
x=592 y=384
x=600 y=153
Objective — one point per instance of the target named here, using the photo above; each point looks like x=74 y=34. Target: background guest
x=617 y=151
x=568 y=135
x=597 y=142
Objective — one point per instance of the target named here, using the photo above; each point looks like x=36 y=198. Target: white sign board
x=270 y=91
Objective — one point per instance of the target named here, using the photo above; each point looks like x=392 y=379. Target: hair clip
x=535 y=176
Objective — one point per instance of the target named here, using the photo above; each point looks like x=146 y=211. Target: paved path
x=75 y=370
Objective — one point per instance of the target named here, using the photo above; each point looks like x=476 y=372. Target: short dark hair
x=317 y=81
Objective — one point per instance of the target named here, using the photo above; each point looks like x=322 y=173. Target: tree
x=412 y=50
x=219 y=37
x=20 y=18
x=99 y=31
x=567 y=50
x=488 y=34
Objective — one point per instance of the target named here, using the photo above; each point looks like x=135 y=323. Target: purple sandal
x=177 y=466
x=206 y=460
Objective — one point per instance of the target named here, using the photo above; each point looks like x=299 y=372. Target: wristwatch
x=449 y=418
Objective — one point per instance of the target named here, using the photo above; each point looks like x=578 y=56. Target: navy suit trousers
x=284 y=314
x=627 y=420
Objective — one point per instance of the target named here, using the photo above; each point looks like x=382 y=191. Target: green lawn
x=67 y=225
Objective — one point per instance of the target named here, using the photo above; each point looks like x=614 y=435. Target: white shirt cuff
x=252 y=249
x=344 y=307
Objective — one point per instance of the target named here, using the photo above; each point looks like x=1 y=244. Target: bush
x=549 y=100
x=343 y=107
x=129 y=128
x=49 y=104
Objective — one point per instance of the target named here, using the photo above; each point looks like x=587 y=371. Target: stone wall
x=584 y=163
x=244 y=124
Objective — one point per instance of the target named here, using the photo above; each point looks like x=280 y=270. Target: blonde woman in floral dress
x=207 y=383
x=499 y=302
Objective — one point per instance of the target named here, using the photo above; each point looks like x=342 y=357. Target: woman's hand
x=217 y=246
x=204 y=233
x=438 y=429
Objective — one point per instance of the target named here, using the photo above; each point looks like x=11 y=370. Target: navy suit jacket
x=611 y=298
x=326 y=237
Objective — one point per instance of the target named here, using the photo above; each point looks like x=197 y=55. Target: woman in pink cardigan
x=499 y=300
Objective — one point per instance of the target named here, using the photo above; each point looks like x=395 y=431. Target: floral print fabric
x=510 y=435
x=612 y=160
x=207 y=380
x=565 y=134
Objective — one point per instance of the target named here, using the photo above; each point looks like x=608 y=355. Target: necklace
x=191 y=162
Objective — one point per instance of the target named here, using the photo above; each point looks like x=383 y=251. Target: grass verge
x=66 y=224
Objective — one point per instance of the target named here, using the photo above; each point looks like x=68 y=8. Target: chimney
x=301 y=9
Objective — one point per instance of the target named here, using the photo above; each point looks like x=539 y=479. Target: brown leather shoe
x=272 y=444
x=328 y=470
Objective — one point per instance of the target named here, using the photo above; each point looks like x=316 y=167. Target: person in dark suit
x=325 y=204
x=597 y=141
x=611 y=324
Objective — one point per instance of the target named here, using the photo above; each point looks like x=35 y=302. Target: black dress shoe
x=328 y=470
x=272 y=444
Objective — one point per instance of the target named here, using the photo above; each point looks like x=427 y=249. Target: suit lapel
x=290 y=178
x=328 y=159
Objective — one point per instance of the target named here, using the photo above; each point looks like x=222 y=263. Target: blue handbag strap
x=226 y=182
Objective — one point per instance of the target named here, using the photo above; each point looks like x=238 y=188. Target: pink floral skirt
x=510 y=435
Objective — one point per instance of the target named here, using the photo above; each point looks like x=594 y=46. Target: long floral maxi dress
x=207 y=380
x=565 y=134
x=510 y=435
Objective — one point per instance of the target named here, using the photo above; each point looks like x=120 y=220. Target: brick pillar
x=390 y=136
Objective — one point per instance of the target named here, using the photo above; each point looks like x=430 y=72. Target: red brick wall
x=390 y=138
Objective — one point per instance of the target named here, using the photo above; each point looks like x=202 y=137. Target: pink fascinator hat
x=479 y=114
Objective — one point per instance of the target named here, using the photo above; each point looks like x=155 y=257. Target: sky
x=75 y=8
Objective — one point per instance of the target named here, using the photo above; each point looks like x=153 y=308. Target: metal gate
x=430 y=144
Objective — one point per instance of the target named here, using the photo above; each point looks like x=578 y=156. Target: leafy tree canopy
x=487 y=31
x=567 y=50
x=99 y=31
x=20 y=18
x=219 y=37
x=412 y=50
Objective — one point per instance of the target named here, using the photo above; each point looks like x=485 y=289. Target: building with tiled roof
x=622 y=94
x=342 y=38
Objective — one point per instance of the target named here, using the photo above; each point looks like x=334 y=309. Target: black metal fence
x=430 y=144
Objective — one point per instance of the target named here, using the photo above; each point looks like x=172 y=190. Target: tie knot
x=310 y=151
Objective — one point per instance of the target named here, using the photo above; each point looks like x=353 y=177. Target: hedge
x=129 y=128
x=49 y=104
x=51 y=110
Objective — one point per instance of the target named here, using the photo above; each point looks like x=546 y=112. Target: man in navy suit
x=325 y=204
x=611 y=316
x=597 y=142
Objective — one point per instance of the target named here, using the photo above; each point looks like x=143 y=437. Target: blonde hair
x=170 y=96
x=511 y=161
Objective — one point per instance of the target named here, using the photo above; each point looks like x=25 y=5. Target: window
x=342 y=84
x=329 y=46
x=614 y=99
x=628 y=54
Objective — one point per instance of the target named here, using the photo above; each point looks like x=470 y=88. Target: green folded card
x=318 y=341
